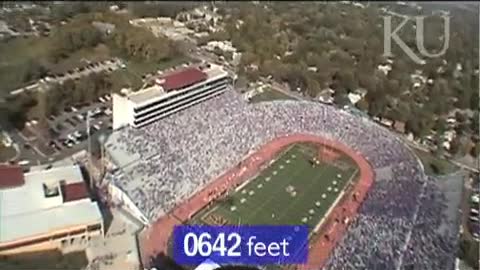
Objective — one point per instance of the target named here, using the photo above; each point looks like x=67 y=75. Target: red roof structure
x=182 y=78
x=11 y=176
x=75 y=191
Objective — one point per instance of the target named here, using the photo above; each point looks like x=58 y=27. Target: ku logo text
x=390 y=35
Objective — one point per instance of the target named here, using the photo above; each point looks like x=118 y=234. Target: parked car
x=54 y=145
x=96 y=112
x=71 y=122
x=23 y=162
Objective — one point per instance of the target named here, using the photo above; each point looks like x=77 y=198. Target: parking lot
x=107 y=65
x=66 y=134
x=70 y=128
x=473 y=219
x=74 y=74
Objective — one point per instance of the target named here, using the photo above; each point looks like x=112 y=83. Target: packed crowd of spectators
x=406 y=222
x=176 y=156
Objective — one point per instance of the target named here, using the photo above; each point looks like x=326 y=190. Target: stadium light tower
x=235 y=71
x=89 y=150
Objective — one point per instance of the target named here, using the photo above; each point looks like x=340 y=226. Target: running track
x=154 y=239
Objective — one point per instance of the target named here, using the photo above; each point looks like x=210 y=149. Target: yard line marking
x=334 y=204
x=306 y=191
x=271 y=197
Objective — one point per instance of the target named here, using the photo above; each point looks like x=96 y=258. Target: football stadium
x=360 y=189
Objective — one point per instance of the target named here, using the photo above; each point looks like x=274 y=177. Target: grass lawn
x=140 y=68
x=45 y=260
x=77 y=59
x=290 y=191
x=434 y=165
x=16 y=55
x=269 y=95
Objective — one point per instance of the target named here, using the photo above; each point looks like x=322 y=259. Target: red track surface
x=155 y=239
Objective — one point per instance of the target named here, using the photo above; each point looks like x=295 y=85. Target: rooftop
x=177 y=79
x=49 y=200
x=11 y=176
x=146 y=94
x=75 y=191
x=182 y=78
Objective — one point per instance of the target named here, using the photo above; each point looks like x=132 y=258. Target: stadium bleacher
x=166 y=162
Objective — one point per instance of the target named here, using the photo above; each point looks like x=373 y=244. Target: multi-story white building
x=172 y=92
x=46 y=210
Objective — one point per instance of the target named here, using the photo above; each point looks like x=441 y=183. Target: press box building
x=171 y=93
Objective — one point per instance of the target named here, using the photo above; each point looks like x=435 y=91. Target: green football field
x=289 y=191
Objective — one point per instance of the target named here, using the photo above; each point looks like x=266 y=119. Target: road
x=280 y=88
x=425 y=149
x=77 y=73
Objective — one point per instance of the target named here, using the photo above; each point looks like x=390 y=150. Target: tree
x=55 y=102
x=469 y=251
x=35 y=70
x=340 y=98
x=362 y=105
x=64 y=11
x=455 y=146
x=439 y=144
x=83 y=88
x=217 y=51
x=475 y=102
x=41 y=111
x=346 y=80
x=464 y=98
x=419 y=123
x=74 y=36
x=17 y=108
x=141 y=44
x=475 y=151
x=376 y=103
x=313 y=87
x=366 y=81
x=159 y=9
x=440 y=125
x=475 y=123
